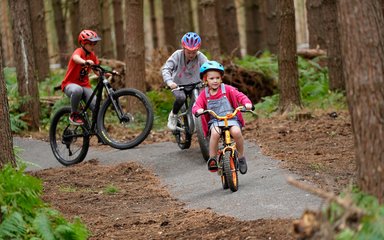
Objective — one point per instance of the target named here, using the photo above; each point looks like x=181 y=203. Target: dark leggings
x=180 y=96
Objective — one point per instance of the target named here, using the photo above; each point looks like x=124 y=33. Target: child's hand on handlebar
x=88 y=63
x=172 y=85
x=249 y=106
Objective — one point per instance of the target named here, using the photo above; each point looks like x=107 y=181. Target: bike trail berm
x=263 y=192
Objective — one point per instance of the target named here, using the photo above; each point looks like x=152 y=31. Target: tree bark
x=61 y=33
x=169 y=25
x=253 y=27
x=134 y=47
x=6 y=38
x=74 y=18
x=272 y=25
x=362 y=43
x=6 y=146
x=155 y=37
x=316 y=29
x=90 y=18
x=39 y=38
x=25 y=61
x=228 y=28
x=106 y=30
x=332 y=38
x=287 y=58
x=119 y=28
x=183 y=19
x=208 y=28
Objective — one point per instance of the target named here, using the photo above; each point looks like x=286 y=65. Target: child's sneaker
x=243 y=165
x=172 y=121
x=75 y=119
x=212 y=165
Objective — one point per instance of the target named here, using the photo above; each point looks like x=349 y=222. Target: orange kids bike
x=227 y=154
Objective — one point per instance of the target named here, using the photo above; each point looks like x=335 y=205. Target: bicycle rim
x=68 y=142
x=230 y=172
x=183 y=138
x=224 y=182
x=134 y=125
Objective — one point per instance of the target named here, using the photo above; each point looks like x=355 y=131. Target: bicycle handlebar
x=102 y=70
x=181 y=87
x=228 y=115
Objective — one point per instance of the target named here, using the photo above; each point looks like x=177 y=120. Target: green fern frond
x=12 y=226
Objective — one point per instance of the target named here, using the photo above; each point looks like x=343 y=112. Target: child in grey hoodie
x=183 y=68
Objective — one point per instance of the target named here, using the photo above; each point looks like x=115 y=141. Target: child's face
x=213 y=79
x=90 y=46
x=190 y=55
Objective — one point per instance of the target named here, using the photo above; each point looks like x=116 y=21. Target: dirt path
x=263 y=191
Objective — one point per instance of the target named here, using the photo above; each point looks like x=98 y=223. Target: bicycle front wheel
x=182 y=134
x=203 y=141
x=127 y=122
x=69 y=143
x=230 y=172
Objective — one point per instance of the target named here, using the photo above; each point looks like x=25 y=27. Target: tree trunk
x=6 y=38
x=208 y=28
x=119 y=28
x=6 y=146
x=25 y=62
x=183 y=19
x=272 y=25
x=253 y=27
x=332 y=38
x=152 y=13
x=169 y=25
x=90 y=19
x=134 y=47
x=316 y=29
x=287 y=58
x=228 y=28
x=61 y=33
x=362 y=43
x=106 y=31
x=39 y=38
x=74 y=18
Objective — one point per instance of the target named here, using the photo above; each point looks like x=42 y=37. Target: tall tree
x=6 y=38
x=90 y=19
x=183 y=18
x=287 y=58
x=208 y=28
x=271 y=18
x=61 y=33
x=332 y=41
x=39 y=38
x=228 y=28
x=169 y=25
x=134 y=47
x=253 y=26
x=106 y=30
x=119 y=28
x=6 y=146
x=155 y=37
x=316 y=29
x=74 y=18
x=25 y=62
x=362 y=45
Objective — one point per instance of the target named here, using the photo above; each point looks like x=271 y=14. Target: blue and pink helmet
x=191 y=41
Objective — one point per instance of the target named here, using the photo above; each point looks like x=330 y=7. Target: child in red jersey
x=76 y=83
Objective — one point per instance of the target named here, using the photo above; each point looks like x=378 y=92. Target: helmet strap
x=85 y=50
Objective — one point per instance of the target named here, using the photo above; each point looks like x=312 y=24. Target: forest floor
x=319 y=149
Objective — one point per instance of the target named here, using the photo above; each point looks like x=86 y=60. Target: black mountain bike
x=187 y=124
x=123 y=121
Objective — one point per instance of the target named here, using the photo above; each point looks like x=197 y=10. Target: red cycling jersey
x=77 y=73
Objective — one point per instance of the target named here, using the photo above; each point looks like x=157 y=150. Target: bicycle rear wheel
x=69 y=143
x=203 y=141
x=134 y=124
x=230 y=172
x=183 y=137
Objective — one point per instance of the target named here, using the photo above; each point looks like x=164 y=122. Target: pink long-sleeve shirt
x=234 y=96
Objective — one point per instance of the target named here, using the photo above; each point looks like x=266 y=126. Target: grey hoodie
x=178 y=71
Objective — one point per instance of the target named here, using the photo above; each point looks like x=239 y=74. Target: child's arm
x=77 y=59
x=199 y=105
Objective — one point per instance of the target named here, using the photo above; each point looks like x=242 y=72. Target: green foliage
x=162 y=102
x=368 y=227
x=313 y=83
x=25 y=216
